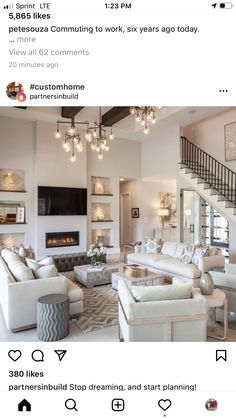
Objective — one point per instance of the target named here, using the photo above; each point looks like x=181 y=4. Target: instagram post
x=117 y=221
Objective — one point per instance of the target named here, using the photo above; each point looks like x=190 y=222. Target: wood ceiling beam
x=70 y=111
x=115 y=114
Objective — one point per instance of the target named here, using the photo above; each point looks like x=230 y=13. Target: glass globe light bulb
x=138 y=118
x=153 y=120
x=146 y=130
x=132 y=110
x=94 y=134
x=58 y=135
x=93 y=147
x=111 y=136
x=79 y=147
x=71 y=131
x=143 y=122
x=88 y=136
x=73 y=158
x=100 y=156
x=107 y=148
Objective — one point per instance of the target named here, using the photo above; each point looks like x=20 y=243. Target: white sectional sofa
x=168 y=262
x=18 y=299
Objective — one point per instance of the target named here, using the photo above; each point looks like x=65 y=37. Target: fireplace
x=59 y=239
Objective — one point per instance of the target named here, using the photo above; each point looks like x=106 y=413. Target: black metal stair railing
x=214 y=173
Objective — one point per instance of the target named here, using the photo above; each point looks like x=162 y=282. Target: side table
x=217 y=299
x=53 y=315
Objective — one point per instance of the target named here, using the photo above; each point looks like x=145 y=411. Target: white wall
x=145 y=195
x=209 y=135
x=123 y=160
x=17 y=144
x=54 y=168
x=160 y=155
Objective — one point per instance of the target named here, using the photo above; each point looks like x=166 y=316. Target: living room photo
x=118 y=224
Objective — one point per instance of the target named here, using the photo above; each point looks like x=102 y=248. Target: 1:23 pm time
x=118 y=5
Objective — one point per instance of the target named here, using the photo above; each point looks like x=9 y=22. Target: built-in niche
x=12 y=212
x=102 y=237
x=101 y=212
x=101 y=186
x=12 y=180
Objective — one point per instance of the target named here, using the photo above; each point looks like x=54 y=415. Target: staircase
x=212 y=180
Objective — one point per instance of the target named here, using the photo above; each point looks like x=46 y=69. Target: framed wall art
x=135 y=212
x=230 y=141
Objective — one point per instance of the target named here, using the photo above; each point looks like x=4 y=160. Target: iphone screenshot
x=117 y=209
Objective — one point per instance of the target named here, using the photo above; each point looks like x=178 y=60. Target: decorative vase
x=206 y=284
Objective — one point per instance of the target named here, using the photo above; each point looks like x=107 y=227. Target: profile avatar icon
x=15 y=91
x=211 y=404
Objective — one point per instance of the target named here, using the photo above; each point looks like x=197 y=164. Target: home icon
x=24 y=404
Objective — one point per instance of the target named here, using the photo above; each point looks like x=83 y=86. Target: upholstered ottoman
x=53 y=314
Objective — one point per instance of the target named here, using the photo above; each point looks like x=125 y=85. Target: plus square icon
x=118 y=405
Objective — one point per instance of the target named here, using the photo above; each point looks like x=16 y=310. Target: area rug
x=100 y=309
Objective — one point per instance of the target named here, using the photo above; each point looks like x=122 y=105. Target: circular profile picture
x=211 y=404
x=15 y=91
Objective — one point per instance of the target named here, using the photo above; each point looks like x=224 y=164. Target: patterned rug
x=100 y=309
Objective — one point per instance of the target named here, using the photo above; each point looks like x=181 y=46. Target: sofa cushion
x=230 y=268
x=179 y=250
x=199 y=252
x=176 y=267
x=169 y=248
x=153 y=246
x=18 y=269
x=162 y=292
x=145 y=258
x=8 y=256
x=75 y=293
x=188 y=252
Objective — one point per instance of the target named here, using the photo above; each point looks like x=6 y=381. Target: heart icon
x=14 y=355
x=164 y=404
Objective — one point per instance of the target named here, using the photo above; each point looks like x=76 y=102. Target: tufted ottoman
x=66 y=262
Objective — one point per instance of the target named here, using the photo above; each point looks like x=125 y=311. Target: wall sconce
x=163 y=212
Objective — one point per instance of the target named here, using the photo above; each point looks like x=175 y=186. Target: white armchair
x=182 y=320
x=227 y=282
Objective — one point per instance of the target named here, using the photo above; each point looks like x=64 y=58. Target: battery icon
x=226 y=5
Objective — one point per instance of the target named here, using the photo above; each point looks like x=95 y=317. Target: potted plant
x=96 y=254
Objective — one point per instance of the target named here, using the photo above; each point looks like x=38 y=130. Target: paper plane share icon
x=60 y=354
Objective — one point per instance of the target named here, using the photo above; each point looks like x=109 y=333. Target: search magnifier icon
x=71 y=404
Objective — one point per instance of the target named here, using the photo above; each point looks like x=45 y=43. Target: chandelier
x=96 y=136
x=145 y=115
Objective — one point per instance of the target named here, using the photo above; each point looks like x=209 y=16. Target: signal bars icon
x=9 y=6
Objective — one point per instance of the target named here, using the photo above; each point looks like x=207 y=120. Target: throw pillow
x=188 y=253
x=199 y=252
x=153 y=246
x=46 y=271
x=162 y=292
x=43 y=268
x=24 y=252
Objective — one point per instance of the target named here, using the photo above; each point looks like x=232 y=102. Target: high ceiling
x=126 y=127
